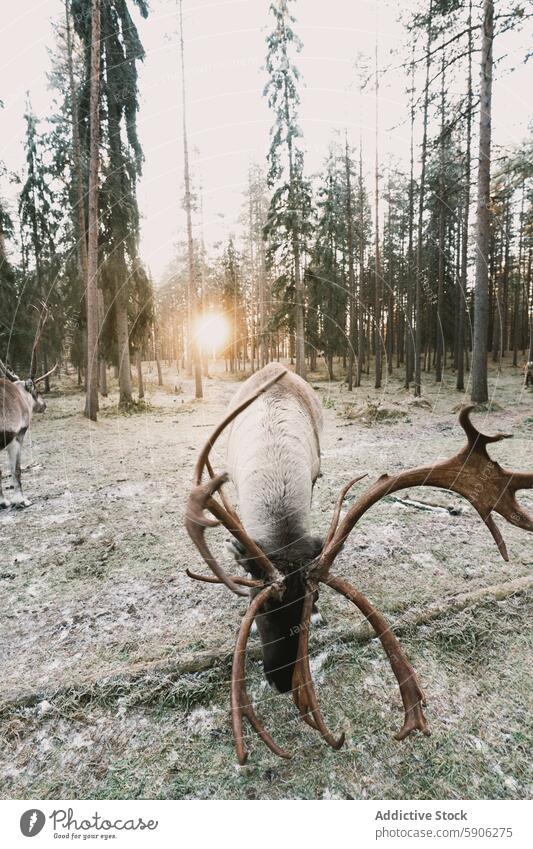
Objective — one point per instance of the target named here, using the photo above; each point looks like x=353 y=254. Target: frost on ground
x=98 y=614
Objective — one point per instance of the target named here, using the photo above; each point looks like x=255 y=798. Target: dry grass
x=98 y=617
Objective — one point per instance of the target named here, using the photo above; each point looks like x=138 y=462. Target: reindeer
x=19 y=399
x=528 y=373
x=272 y=459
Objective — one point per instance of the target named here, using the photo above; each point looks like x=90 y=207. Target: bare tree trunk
x=122 y=329
x=439 y=347
x=157 y=357
x=351 y=270
x=76 y=146
x=194 y=356
x=140 y=381
x=518 y=282
x=377 y=259
x=91 y=401
x=361 y=317
x=480 y=392
x=460 y=384
x=102 y=379
x=420 y=234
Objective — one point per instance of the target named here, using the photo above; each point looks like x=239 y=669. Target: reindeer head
x=470 y=473
x=279 y=622
x=35 y=400
x=38 y=402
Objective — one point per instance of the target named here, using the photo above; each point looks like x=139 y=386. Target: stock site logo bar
x=32 y=822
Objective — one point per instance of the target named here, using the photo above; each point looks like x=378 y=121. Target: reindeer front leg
x=14 y=450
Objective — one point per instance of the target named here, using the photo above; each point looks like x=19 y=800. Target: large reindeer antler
x=471 y=473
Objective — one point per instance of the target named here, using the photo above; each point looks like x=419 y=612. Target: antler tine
x=473 y=435
x=8 y=372
x=240 y=702
x=412 y=695
x=209 y=579
x=44 y=376
x=338 y=507
x=470 y=473
x=196 y=523
x=303 y=691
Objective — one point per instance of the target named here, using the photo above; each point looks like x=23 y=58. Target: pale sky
x=228 y=118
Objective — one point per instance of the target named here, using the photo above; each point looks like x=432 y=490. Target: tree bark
x=91 y=401
x=460 y=383
x=480 y=392
x=377 y=259
x=140 y=381
x=419 y=247
x=193 y=355
x=351 y=269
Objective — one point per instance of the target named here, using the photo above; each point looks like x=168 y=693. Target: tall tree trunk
x=439 y=347
x=377 y=259
x=194 y=355
x=122 y=327
x=102 y=378
x=460 y=383
x=91 y=401
x=76 y=147
x=140 y=381
x=518 y=283
x=361 y=316
x=157 y=355
x=420 y=233
x=351 y=269
x=480 y=391
x=409 y=336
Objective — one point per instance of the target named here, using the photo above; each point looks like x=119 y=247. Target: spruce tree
x=286 y=222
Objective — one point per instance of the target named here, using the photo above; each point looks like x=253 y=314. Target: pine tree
x=91 y=403
x=38 y=221
x=121 y=159
x=286 y=222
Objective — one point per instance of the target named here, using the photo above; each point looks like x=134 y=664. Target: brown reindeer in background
x=286 y=565
x=19 y=399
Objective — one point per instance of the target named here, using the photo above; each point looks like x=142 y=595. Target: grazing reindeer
x=273 y=459
x=19 y=399
x=281 y=589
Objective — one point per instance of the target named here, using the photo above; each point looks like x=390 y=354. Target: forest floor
x=115 y=665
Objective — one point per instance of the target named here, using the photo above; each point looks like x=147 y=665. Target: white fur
x=273 y=459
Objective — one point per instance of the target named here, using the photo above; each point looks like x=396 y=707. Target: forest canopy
x=370 y=266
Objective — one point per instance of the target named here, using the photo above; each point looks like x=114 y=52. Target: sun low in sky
x=211 y=332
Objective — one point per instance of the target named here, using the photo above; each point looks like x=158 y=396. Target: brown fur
x=18 y=401
x=15 y=412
